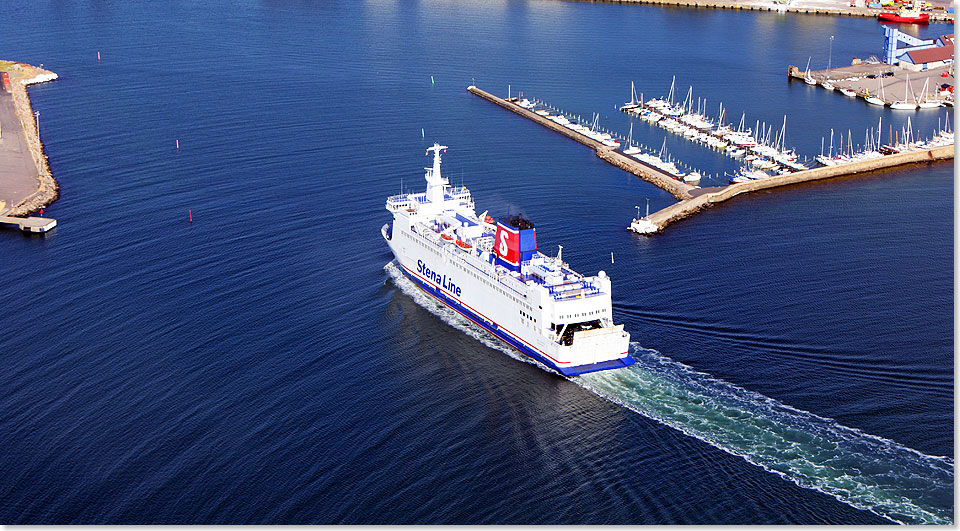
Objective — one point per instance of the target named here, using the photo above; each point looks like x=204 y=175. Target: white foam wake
x=862 y=470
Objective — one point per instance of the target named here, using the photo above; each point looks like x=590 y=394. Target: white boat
x=807 y=78
x=904 y=105
x=631 y=149
x=692 y=178
x=847 y=92
x=924 y=102
x=634 y=103
x=643 y=225
x=874 y=100
x=493 y=275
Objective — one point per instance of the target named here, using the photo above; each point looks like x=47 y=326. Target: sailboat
x=633 y=99
x=631 y=149
x=874 y=100
x=925 y=102
x=807 y=78
x=904 y=104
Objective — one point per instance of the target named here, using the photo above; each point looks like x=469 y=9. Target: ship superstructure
x=490 y=272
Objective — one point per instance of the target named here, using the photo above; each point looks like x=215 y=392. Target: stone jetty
x=23 y=153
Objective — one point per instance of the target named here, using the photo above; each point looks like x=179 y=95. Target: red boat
x=905 y=15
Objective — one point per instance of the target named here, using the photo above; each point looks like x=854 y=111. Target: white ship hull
x=541 y=308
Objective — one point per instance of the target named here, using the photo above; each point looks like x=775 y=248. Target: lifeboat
x=464 y=245
x=447 y=238
x=488 y=219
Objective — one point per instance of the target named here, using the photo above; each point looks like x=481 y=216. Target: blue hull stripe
x=493 y=329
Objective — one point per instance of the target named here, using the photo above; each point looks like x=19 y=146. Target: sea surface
x=266 y=364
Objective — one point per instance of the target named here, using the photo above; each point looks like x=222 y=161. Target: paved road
x=18 y=173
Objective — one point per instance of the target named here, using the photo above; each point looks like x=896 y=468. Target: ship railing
x=418 y=198
x=572 y=290
x=514 y=284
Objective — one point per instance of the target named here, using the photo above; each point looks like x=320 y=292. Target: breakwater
x=659 y=179
x=771 y=6
x=664 y=217
x=691 y=201
x=21 y=76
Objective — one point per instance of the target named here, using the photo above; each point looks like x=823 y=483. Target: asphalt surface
x=18 y=173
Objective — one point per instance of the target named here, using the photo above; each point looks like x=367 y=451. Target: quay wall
x=748 y=6
x=47 y=189
x=676 y=188
x=686 y=208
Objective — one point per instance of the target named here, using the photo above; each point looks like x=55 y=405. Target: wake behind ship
x=491 y=273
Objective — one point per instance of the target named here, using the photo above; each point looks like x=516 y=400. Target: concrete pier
x=30 y=224
x=26 y=184
x=854 y=77
x=935 y=16
x=662 y=218
x=660 y=179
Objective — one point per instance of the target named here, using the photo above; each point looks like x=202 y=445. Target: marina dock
x=692 y=198
x=660 y=179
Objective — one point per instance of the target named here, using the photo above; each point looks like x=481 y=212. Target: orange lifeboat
x=488 y=219
x=447 y=238
x=464 y=245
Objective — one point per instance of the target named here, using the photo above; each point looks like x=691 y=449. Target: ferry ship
x=491 y=272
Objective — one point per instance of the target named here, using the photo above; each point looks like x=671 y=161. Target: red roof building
x=930 y=55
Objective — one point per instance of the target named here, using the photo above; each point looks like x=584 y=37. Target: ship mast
x=435 y=182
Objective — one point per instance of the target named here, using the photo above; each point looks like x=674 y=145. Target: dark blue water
x=261 y=365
